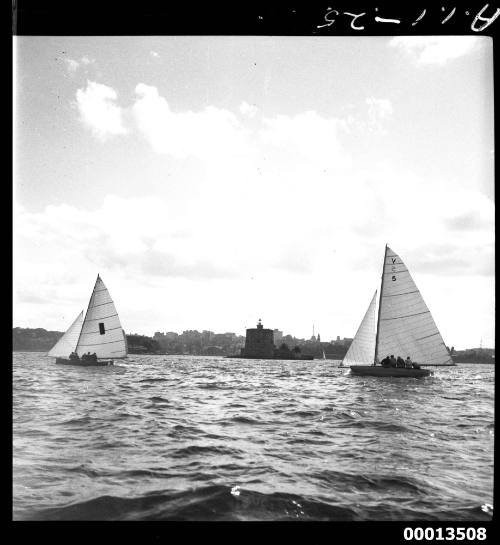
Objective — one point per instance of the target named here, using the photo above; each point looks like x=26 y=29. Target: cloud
x=209 y=134
x=248 y=110
x=308 y=135
x=435 y=49
x=372 y=117
x=98 y=111
x=72 y=65
x=154 y=54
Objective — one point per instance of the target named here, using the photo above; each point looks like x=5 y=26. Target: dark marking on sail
x=407 y=316
x=102 y=329
x=398 y=294
x=394 y=260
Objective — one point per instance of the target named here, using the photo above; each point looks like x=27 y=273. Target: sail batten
x=406 y=326
x=363 y=345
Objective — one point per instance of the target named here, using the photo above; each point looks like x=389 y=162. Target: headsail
x=102 y=332
x=67 y=343
x=406 y=327
x=362 y=347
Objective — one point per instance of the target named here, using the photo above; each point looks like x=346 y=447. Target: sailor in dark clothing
x=73 y=356
x=386 y=362
x=416 y=365
x=400 y=362
x=93 y=357
x=392 y=361
x=408 y=363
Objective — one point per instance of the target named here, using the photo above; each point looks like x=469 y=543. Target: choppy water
x=206 y=438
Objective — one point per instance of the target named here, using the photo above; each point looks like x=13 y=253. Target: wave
x=220 y=502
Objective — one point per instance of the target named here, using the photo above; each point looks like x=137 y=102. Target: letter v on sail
x=404 y=327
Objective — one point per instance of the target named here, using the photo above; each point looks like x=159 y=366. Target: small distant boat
x=99 y=333
x=403 y=327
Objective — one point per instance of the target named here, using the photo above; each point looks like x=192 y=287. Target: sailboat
x=100 y=332
x=403 y=327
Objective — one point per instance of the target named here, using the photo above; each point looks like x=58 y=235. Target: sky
x=213 y=181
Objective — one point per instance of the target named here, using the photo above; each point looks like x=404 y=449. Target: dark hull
x=102 y=363
x=376 y=371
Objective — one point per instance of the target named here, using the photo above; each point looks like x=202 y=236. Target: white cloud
x=249 y=110
x=96 y=104
x=71 y=64
x=154 y=54
x=86 y=60
x=436 y=49
x=307 y=134
x=208 y=134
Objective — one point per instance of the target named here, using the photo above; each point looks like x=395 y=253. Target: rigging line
x=407 y=316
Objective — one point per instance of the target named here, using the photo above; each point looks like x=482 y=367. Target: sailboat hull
x=376 y=371
x=102 y=363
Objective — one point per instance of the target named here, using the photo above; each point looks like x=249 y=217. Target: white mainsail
x=362 y=348
x=101 y=331
x=405 y=325
x=67 y=343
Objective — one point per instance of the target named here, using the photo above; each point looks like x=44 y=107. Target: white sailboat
x=403 y=327
x=99 y=333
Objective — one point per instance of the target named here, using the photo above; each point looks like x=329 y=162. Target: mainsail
x=101 y=332
x=67 y=343
x=405 y=325
x=362 y=347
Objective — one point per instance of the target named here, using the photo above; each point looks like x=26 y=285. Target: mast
x=87 y=311
x=379 y=305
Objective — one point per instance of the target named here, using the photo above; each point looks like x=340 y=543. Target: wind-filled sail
x=102 y=332
x=406 y=327
x=362 y=349
x=67 y=343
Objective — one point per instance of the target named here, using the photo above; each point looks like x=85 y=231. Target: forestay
x=102 y=332
x=406 y=327
x=362 y=349
x=67 y=343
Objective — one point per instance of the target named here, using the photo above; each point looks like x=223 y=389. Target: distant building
x=259 y=343
x=278 y=337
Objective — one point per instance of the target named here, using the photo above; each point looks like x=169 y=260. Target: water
x=207 y=438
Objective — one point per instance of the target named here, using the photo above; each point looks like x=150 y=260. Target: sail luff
x=87 y=311
x=375 y=355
